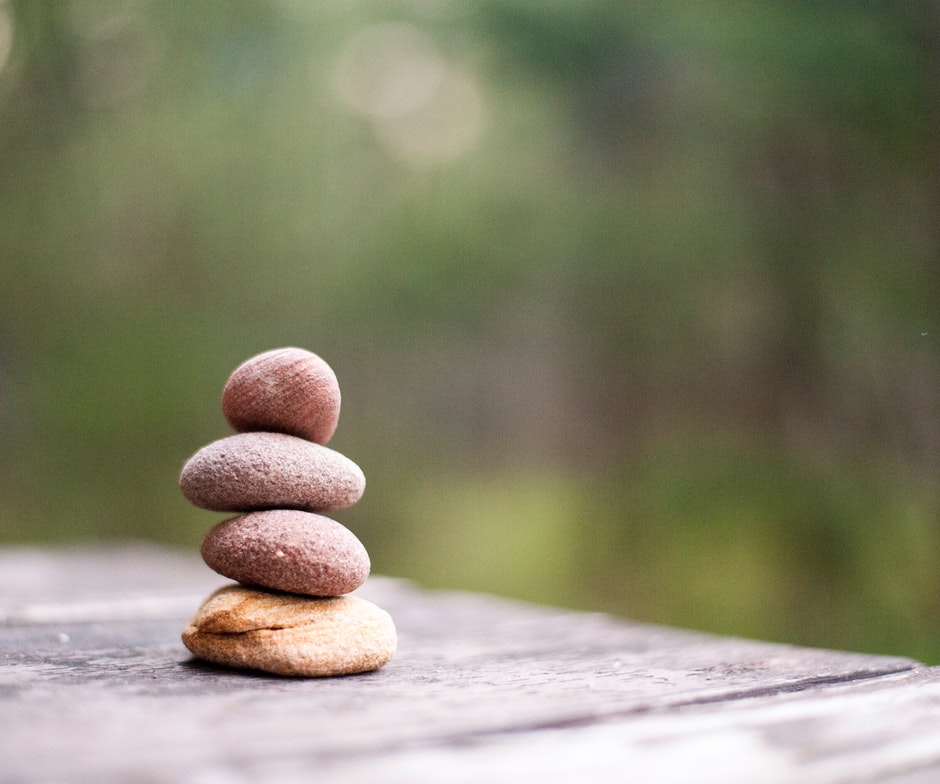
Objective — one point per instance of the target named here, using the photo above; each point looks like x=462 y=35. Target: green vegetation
x=634 y=309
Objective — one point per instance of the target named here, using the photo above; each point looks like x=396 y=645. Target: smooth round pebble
x=286 y=634
x=288 y=390
x=288 y=550
x=250 y=471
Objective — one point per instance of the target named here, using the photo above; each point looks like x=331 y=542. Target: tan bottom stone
x=286 y=634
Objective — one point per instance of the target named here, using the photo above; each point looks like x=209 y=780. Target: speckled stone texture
x=288 y=550
x=250 y=471
x=287 y=390
x=286 y=634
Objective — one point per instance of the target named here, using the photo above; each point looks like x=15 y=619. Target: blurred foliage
x=634 y=307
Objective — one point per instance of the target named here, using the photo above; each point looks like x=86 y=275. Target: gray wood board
x=95 y=685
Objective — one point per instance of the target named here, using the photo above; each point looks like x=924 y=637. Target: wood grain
x=95 y=685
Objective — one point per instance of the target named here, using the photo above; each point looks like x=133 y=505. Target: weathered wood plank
x=95 y=685
x=884 y=730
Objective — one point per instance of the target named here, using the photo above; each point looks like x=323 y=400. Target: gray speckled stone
x=250 y=471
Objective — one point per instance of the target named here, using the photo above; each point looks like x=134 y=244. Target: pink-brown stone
x=287 y=390
x=288 y=550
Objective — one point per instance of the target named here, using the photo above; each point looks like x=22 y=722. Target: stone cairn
x=289 y=614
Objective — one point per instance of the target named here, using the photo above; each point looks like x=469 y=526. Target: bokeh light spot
x=421 y=108
x=6 y=33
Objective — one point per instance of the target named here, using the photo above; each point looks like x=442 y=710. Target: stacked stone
x=290 y=613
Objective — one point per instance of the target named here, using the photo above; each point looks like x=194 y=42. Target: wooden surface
x=95 y=686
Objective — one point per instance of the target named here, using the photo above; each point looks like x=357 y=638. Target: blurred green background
x=634 y=306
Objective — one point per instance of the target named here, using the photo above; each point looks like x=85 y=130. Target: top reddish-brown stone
x=287 y=390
